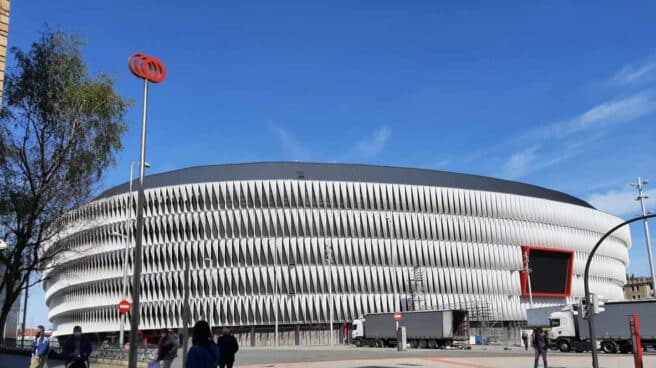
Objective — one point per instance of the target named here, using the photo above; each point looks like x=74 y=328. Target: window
x=554 y=323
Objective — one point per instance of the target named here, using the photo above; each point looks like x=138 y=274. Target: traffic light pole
x=593 y=336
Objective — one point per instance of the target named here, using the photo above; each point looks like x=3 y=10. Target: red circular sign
x=397 y=316
x=123 y=306
x=147 y=67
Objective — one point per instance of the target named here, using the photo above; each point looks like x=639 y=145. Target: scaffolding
x=417 y=289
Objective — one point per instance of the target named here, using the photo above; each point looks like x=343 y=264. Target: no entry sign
x=397 y=316
x=123 y=306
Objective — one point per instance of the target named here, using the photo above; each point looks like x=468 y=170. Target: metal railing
x=100 y=351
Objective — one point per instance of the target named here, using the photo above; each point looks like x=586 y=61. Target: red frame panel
x=526 y=250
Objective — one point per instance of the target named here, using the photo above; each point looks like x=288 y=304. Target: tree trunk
x=11 y=296
x=3 y=322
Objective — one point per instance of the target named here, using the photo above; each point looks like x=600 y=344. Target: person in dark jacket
x=228 y=346
x=525 y=340
x=40 y=347
x=167 y=349
x=540 y=345
x=203 y=352
x=77 y=349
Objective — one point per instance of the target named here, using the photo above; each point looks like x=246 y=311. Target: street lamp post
x=393 y=256
x=128 y=243
x=275 y=289
x=641 y=197
x=328 y=261
x=528 y=279
x=148 y=69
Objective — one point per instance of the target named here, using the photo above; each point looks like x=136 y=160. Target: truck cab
x=561 y=325
x=357 y=331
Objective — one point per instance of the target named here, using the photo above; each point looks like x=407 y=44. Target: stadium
x=301 y=242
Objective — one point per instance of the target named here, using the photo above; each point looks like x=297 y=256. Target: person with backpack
x=203 y=352
x=540 y=345
x=167 y=348
x=77 y=350
x=40 y=347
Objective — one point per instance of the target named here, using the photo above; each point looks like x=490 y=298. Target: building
x=11 y=325
x=297 y=242
x=4 y=35
x=12 y=320
x=638 y=288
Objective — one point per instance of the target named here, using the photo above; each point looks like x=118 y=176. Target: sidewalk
x=625 y=361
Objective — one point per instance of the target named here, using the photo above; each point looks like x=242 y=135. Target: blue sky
x=556 y=94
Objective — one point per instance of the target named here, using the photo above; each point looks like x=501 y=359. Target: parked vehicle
x=424 y=329
x=569 y=330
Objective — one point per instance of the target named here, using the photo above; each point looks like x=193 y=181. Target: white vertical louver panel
x=222 y=222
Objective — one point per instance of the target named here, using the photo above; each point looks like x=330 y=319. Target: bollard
x=635 y=337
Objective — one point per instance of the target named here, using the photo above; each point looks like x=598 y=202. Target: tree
x=60 y=129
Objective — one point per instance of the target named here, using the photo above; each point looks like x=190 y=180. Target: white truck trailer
x=568 y=330
x=424 y=329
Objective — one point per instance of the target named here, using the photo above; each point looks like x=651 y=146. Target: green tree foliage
x=60 y=129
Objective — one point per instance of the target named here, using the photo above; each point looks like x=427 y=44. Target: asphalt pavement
x=351 y=357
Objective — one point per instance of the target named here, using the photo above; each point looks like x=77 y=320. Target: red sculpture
x=147 y=67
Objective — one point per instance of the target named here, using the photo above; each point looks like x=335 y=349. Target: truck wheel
x=357 y=343
x=609 y=347
x=380 y=343
x=564 y=346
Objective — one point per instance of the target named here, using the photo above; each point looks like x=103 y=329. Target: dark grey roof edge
x=344 y=172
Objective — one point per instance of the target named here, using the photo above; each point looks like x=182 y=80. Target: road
x=348 y=357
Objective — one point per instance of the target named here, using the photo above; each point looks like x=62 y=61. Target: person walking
x=77 y=349
x=167 y=349
x=40 y=347
x=540 y=346
x=525 y=340
x=203 y=352
x=228 y=347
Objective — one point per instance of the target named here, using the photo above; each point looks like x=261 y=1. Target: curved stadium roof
x=344 y=172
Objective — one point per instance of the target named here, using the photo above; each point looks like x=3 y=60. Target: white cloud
x=616 y=111
x=294 y=149
x=565 y=139
x=630 y=74
x=374 y=145
x=442 y=164
x=520 y=163
x=622 y=202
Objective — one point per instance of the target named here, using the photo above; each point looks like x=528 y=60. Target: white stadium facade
x=288 y=240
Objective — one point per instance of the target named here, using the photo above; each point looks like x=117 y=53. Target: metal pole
x=329 y=262
x=393 y=256
x=186 y=310
x=275 y=284
x=27 y=288
x=641 y=197
x=528 y=274
x=125 y=258
x=586 y=283
x=136 y=277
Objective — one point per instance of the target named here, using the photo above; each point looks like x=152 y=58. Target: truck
x=568 y=330
x=424 y=329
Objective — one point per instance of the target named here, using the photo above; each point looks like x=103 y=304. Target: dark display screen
x=549 y=271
